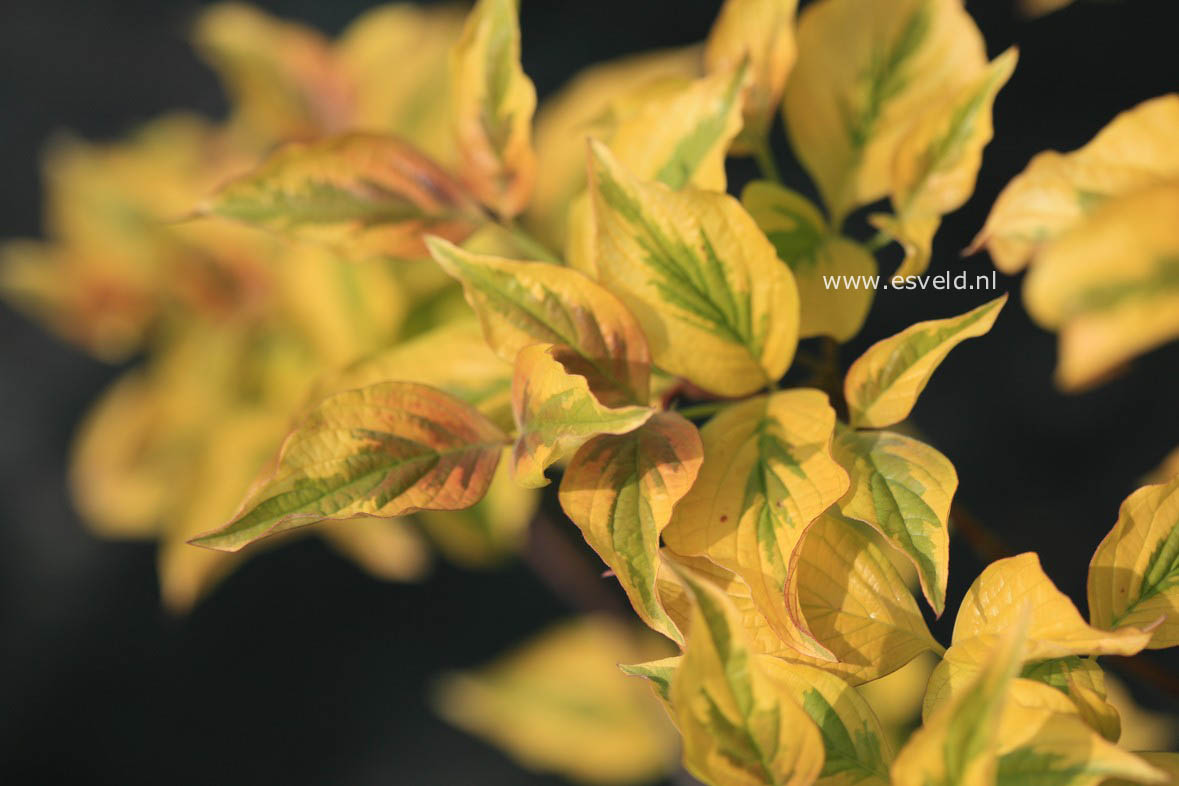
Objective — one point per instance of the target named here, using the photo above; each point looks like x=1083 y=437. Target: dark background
x=300 y=669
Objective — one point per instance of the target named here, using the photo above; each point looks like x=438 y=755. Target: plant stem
x=564 y=569
x=703 y=410
x=766 y=163
x=877 y=242
x=529 y=244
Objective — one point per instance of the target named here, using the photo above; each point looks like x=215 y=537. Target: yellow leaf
x=803 y=241
x=680 y=135
x=865 y=71
x=915 y=235
x=672 y=131
x=588 y=106
x=1039 y=745
x=937 y=162
x=856 y=603
x=741 y=726
x=281 y=77
x=762 y=33
x=366 y=193
x=386 y=450
x=492 y=105
x=558 y=704
x=391 y=549
x=1110 y=285
x=1056 y=191
x=959 y=744
x=1055 y=629
x=556 y=412
x=896 y=697
x=117 y=480
x=767 y=474
x=1169 y=468
x=1083 y=683
x=659 y=674
x=413 y=42
x=523 y=303
x=851 y=597
x=883 y=384
x=1167 y=763
x=902 y=488
x=620 y=491
x=717 y=305
x=453 y=358
x=1134 y=575
x=343 y=308
x=222 y=470
x=856 y=749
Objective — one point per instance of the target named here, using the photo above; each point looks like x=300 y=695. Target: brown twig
x=986 y=545
x=564 y=569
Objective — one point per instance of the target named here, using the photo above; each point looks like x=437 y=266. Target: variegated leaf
x=717 y=305
x=767 y=474
x=386 y=450
x=620 y=491
x=882 y=386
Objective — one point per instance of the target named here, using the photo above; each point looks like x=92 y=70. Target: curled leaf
x=741 y=726
x=492 y=104
x=767 y=474
x=359 y=189
x=620 y=491
x=902 y=488
x=556 y=412
x=522 y=303
x=1057 y=190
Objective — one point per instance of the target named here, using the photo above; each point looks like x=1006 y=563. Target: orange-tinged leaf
x=882 y=386
x=1134 y=574
x=620 y=490
x=492 y=105
x=767 y=474
x=556 y=412
x=360 y=191
x=522 y=303
x=414 y=42
x=387 y=450
x=281 y=76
